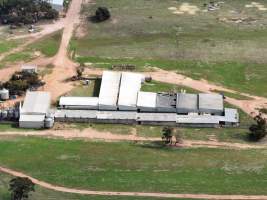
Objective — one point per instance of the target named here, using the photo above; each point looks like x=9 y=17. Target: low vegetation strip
x=130 y=194
x=143 y=167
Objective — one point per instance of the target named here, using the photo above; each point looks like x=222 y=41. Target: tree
x=20 y=188
x=80 y=71
x=258 y=130
x=167 y=133
x=102 y=14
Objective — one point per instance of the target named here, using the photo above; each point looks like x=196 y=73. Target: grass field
x=146 y=33
x=137 y=167
x=48 y=45
x=43 y=194
x=7 y=45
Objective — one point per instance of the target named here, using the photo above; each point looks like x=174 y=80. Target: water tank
x=4 y=114
x=49 y=122
x=4 y=94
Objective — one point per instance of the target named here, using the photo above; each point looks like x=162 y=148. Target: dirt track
x=92 y=134
x=133 y=194
x=64 y=67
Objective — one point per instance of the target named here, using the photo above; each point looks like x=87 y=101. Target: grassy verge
x=6 y=46
x=44 y=194
x=139 y=167
x=156 y=86
x=91 y=90
x=48 y=45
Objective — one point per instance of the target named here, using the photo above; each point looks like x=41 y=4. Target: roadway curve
x=131 y=194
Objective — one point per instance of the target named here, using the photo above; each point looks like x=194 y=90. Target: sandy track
x=92 y=134
x=133 y=194
x=64 y=67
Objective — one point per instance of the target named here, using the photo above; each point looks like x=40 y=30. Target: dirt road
x=130 y=194
x=64 y=67
x=92 y=134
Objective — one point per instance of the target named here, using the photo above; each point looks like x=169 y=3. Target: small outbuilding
x=34 y=110
x=29 y=68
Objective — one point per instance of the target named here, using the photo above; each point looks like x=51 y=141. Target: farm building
x=34 y=110
x=57 y=4
x=166 y=103
x=29 y=68
x=211 y=103
x=109 y=90
x=146 y=101
x=83 y=103
x=186 y=103
x=129 y=87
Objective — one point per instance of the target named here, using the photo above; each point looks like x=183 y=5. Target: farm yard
x=226 y=46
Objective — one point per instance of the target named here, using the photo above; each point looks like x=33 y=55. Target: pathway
x=131 y=194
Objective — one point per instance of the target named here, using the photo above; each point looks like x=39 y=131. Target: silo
x=4 y=94
x=49 y=122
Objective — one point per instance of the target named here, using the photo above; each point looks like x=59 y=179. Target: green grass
x=156 y=86
x=91 y=90
x=44 y=194
x=18 y=57
x=199 y=46
x=48 y=45
x=7 y=45
x=9 y=127
x=137 y=167
x=234 y=95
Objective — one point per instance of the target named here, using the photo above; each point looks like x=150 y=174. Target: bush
x=101 y=14
x=258 y=130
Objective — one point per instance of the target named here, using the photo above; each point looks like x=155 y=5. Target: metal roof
x=129 y=88
x=109 y=89
x=31 y=118
x=198 y=119
x=146 y=99
x=187 y=102
x=166 y=100
x=231 y=115
x=36 y=103
x=80 y=114
x=114 y=115
x=78 y=101
x=157 y=117
x=210 y=102
x=27 y=67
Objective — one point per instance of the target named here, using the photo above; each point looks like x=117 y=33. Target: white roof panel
x=36 y=103
x=130 y=86
x=78 y=101
x=147 y=99
x=32 y=118
x=109 y=89
x=210 y=102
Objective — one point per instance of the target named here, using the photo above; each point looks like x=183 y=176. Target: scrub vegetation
x=226 y=46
